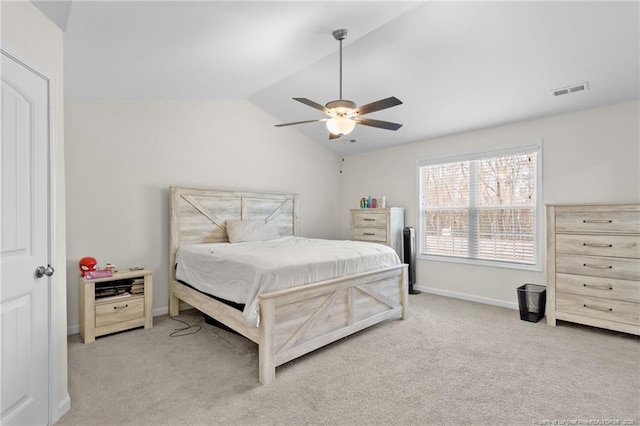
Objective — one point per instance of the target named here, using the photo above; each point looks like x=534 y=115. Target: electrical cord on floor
x=178 y=332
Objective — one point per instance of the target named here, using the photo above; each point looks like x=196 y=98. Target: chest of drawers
x=379 y=226
x=593 y=265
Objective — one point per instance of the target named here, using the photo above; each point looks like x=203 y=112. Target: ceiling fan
x=343 y=114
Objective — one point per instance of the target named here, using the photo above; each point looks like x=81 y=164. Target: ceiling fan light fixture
x=340 y=125
x=342 y=107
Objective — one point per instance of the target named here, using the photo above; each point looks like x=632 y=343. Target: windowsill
x=479 y=262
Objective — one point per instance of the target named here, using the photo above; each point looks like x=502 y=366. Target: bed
x=288 y=322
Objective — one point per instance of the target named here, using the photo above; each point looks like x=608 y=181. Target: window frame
x=535 y=146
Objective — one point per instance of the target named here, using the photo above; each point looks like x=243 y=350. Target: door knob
x=42 y=271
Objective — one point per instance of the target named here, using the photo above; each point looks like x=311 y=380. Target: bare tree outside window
x=481 y=208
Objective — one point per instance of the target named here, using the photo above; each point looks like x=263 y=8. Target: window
x=482 y=207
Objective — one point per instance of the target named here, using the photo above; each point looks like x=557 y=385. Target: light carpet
x=452 y=362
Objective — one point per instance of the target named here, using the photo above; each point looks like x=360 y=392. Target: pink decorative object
x=100 y=273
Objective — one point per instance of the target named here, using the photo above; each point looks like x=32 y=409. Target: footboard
x=297 y=321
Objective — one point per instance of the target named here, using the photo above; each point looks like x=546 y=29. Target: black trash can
x=532 y=299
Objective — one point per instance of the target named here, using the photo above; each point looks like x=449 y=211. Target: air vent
x=570 y=89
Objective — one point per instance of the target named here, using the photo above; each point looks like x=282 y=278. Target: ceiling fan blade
x=378 y=123
x=332 y=136
x=379 y=105
x=312 y=104
x=301 y=122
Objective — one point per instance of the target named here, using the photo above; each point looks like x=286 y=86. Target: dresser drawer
x=369 y=220
x=119 y=311
x=598 y=221
x=599 y=245
x=594 y=307
x=607 y=288
x=370 y=234
x=608 y=267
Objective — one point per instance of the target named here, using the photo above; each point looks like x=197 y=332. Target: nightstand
x=104 y=313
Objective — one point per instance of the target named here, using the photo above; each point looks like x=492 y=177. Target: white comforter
x=240 y=272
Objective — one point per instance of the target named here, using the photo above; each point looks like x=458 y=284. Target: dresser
x=593 y=265
x=379 y=226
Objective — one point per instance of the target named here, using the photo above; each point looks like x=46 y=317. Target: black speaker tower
x=409 y=249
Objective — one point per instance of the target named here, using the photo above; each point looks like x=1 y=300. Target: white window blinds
x=482 y=207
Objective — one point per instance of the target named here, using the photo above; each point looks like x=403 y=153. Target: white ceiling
x=457 y=66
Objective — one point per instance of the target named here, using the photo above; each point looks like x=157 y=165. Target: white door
x=24 y=297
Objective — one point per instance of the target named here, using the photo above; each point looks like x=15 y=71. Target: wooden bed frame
x=292 y=322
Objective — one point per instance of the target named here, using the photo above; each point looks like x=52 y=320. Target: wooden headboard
x=199 y=215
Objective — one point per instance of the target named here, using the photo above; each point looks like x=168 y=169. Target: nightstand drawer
x=369 y=220
x=598 y=221
x=599 y=245
x=119 y=311
x=370 y=234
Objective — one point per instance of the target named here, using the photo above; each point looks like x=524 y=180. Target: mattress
x=240 y=272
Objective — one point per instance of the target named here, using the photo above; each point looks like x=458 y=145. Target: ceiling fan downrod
x=340 y=35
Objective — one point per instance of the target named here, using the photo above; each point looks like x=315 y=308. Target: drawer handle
x=121 y=307
x=598 y=266
x=598 y=308
x=370 y=234
x=599 y=287
x=597 y=221
x=368 y=219
x=597 y=245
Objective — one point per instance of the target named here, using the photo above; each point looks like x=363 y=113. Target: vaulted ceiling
x=457 y=66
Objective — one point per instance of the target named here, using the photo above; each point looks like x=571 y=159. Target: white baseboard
x=160 y=311
x=65 y=405
x=75 y=329
x=469 y=297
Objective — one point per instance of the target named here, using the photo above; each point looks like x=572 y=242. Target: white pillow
x=250 y=230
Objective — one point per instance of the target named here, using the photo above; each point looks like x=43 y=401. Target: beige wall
x=33 y=38
x=122 y=156
x=592 y=156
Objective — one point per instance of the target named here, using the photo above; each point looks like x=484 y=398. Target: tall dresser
x=379 y=226
x=593 y=265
